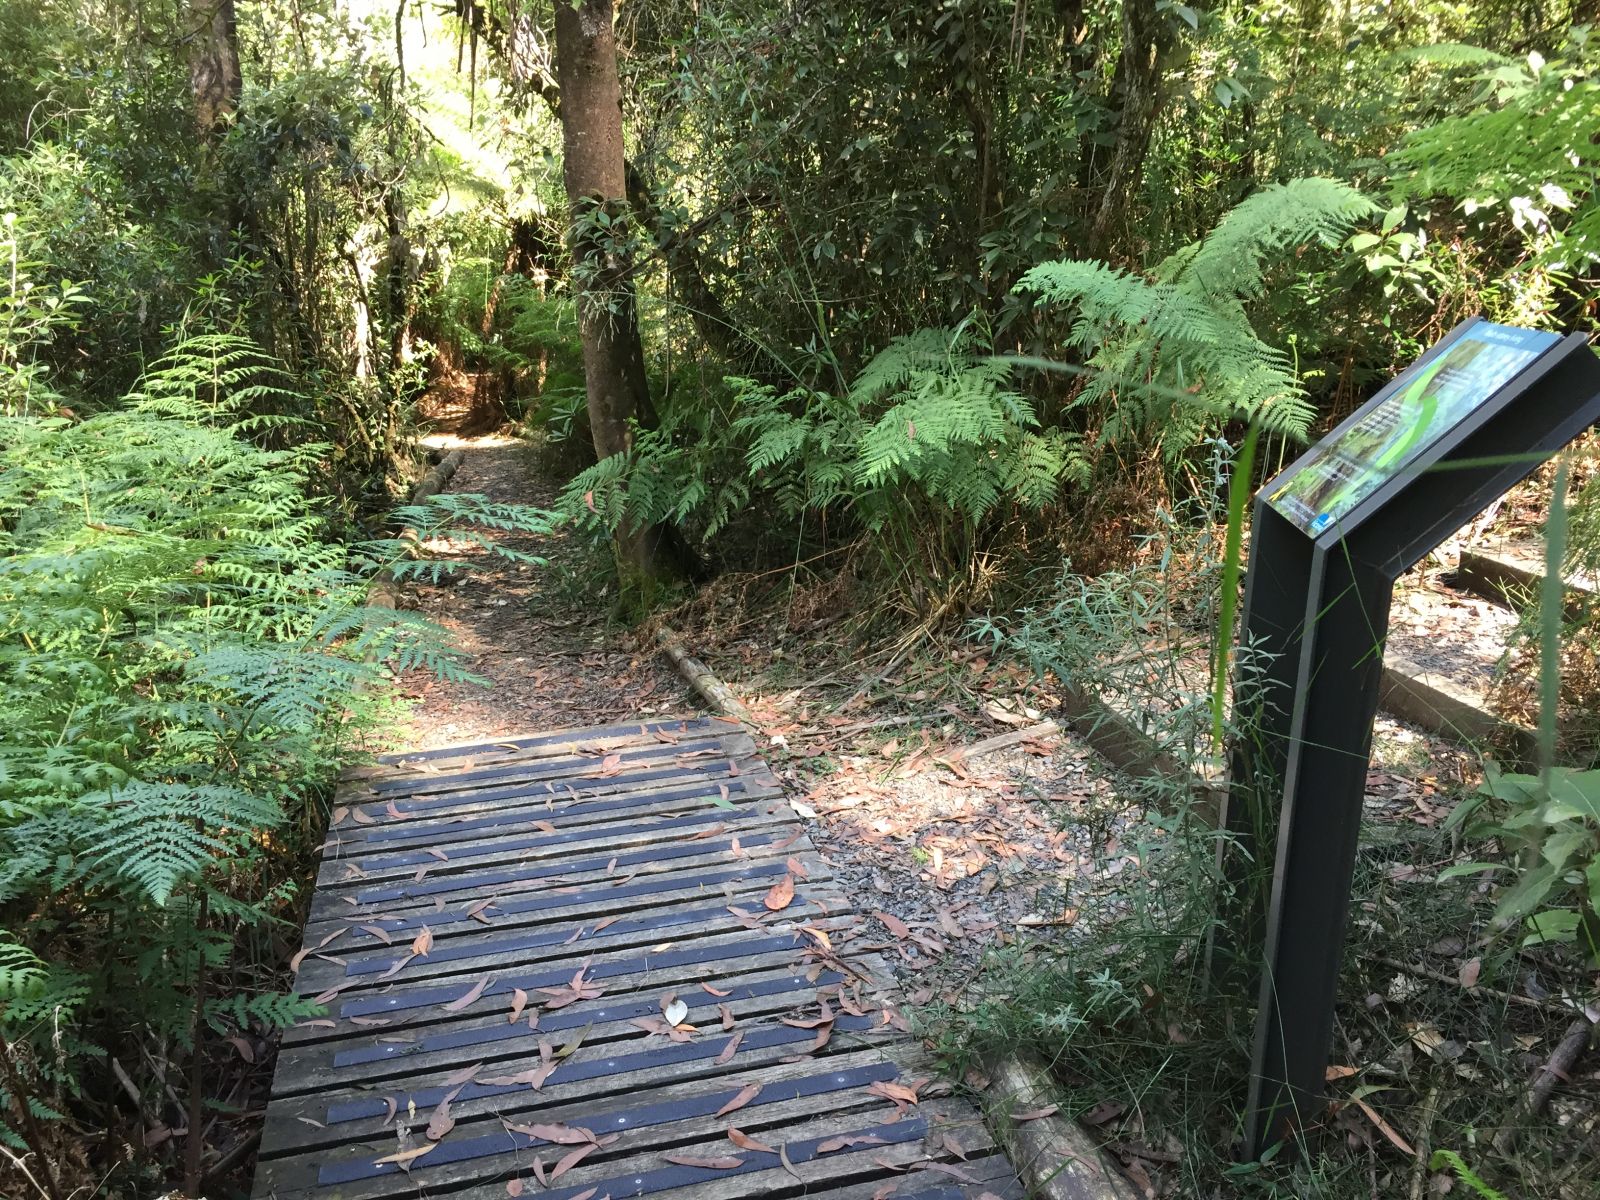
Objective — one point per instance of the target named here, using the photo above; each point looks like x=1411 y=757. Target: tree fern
x=1174 y=351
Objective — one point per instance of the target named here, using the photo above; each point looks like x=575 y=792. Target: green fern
x=1174 y=353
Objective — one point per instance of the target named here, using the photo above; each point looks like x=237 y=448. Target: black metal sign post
x=1477 y=413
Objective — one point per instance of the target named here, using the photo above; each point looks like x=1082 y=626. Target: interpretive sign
x=1402 y=422
x=1331 y=534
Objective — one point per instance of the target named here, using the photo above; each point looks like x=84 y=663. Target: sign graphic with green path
x=1390 y=434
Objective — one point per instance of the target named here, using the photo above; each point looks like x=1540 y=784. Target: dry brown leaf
x=423 y=943
x=1036 y=1114
x=711 y=991
x=611 y=764
x=441 y=1122
x=730 y=1049
x=513 y=1187
x=716 y=1164
x=744 y=1141
x=405 y=1158
x=896 y=926
x=378 y=932
x=571 y=1159
x=1388 y=1130
x=470 y=998
x=1469 y=972
x=519 y=1001
x=781 y=895
x=746 y=1094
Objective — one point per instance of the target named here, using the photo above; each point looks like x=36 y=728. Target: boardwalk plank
x=632 y=860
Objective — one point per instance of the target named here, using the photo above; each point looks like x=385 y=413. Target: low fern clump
x=183 y=658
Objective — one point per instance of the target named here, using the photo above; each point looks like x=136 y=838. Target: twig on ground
x=1419 y=1166
x=1557 y=1067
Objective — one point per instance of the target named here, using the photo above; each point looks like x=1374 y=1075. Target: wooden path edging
x=1056 y=1156
x=599 y=962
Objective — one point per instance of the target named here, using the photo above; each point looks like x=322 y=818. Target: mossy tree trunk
x=601 y=240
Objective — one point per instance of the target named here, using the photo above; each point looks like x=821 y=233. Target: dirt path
x=539 y=635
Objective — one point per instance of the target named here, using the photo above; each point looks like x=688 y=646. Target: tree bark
x=1138 y=84
x=596 y=182
x=214 y=65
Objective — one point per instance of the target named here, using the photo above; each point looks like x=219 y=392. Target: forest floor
x=954 y=856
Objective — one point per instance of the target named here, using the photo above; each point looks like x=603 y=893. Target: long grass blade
x=1238 y=499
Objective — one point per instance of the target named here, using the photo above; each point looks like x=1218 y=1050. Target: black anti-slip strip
x=559 y=1022
x=393 y=831
x=422 y=997
x=661 y=1058
x=439 y=922
x=411 y=858
x=435 y=884
x=642 y=1116
x=576 y=736
x=577 y=765
x=503 y=947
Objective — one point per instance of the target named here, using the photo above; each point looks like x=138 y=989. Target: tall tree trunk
x=596 y=182
x=214 y=64
x=1138 y=87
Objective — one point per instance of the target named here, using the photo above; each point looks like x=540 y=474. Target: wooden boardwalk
x=570 y=966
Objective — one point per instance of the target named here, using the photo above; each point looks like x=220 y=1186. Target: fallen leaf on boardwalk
x=711 y=991
x=423 y=943
x=538 y=1172
x=674 y=1010
x=571 y=1160
x=544 y=827
x=299 y=957
x=470 y=998
x=398 y=964
x=465 y=1075
x=391 y=1106
x=727 y=1016
x=730 y=1049
x=381 y=934
x=310 y=1121
x=513 y=1187
x=841 y=1143
x=394 y=812
x=324 y=997
x=735 y=849
x=1386 y=1129
x=611 y=867
x=952 y=1146
x=438 y=853
x=792 y=838
x=571 y=1047
x=781 y=895
x=369 y=1020
x=441 y=1122
x=611 y=764
x=561 y=1135
x=797 y=869
x=898 y=1092
x=716 y=1164
x=362 y=818
x=339 y=814
x=1035 y=1114
x=744 y=1141
x=746 y=1094
x=602 y=923
x=519 y=1001
x=422 y=873
x=405 y=1158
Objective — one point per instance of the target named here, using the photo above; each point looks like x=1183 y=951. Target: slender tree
x=214 y=64
x=595 y=174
